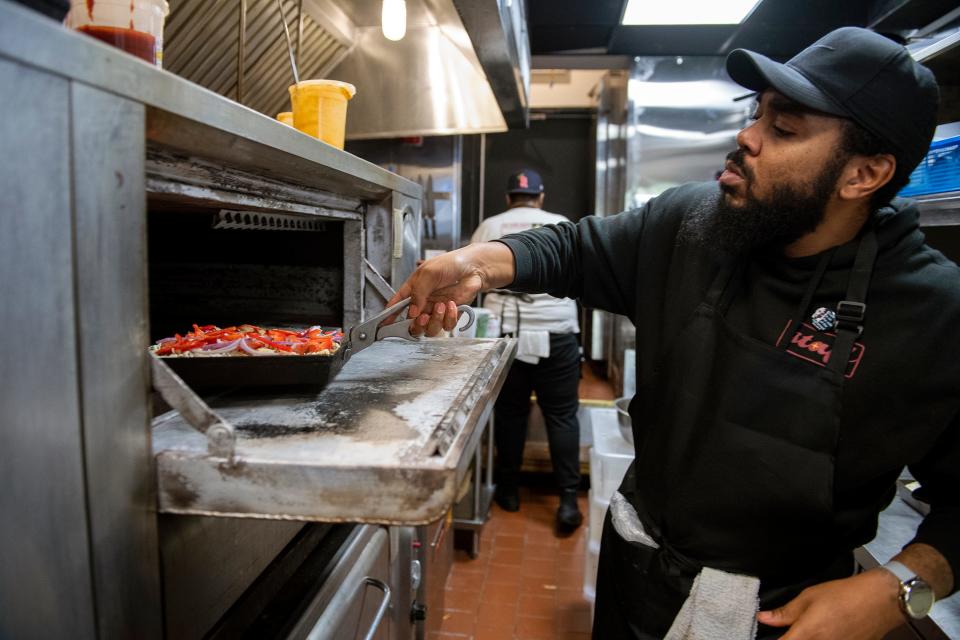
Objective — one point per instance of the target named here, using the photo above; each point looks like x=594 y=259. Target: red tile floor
x=526 y=583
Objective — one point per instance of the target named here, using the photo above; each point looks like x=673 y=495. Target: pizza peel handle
x=366 y=333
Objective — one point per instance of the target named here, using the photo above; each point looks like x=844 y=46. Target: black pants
x=556 y=381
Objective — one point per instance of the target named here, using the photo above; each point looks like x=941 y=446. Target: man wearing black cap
x=548 y=362
x=796 y=348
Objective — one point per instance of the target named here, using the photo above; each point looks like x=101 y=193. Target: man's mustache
x=736 y=158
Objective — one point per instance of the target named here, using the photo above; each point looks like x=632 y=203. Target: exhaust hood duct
x=498 y=31
x=429 y=83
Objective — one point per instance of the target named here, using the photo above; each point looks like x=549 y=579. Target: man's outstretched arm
x=443 y=282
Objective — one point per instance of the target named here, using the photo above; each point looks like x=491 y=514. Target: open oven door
x=387 y=441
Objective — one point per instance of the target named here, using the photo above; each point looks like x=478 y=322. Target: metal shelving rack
x=939 y=209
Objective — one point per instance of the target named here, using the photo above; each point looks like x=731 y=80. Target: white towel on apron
x=721 y=605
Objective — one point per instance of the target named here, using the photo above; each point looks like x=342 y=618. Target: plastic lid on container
x=163 y=5
x=346 y=86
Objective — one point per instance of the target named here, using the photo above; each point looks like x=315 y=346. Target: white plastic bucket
x=135 y=26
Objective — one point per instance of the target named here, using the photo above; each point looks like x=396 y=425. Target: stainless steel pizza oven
x=146 y=507
x=262 y=487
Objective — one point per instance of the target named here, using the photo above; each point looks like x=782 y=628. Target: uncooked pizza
x=249 y=340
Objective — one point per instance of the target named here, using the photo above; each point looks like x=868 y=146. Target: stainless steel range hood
x=429 y=83
x=460 y=69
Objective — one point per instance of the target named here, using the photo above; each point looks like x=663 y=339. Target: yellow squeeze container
x=286 y=117
x=320 y=109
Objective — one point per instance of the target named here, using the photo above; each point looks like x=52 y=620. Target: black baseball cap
x=525 y=181
x=858 y=74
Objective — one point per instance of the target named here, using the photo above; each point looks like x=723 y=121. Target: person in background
x=547 y=363
x=796 y=348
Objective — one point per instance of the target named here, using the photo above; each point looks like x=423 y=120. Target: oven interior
x=224 y=267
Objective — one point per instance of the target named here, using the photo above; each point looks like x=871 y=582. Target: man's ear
x=864 y=175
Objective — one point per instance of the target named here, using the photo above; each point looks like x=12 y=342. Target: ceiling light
x=687 y=12
x=393 y=19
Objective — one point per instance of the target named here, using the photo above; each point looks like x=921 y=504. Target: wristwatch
x=916 y=596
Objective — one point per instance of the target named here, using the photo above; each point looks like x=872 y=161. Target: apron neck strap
x=723 y=287
x=852 y=311
x=812 y=287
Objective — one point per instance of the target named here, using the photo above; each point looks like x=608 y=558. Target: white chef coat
x=545 y=314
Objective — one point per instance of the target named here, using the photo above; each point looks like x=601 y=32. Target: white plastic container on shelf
x=135 y=26
x=591 y=560
x=610 y=455
x=598 y=511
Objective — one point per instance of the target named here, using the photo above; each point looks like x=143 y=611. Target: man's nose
x=749 y=140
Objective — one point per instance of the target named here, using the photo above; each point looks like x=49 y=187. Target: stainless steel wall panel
x=45 y=589
x=609 y=190
x=682 y=122
x=611 y=154
x=108 y=153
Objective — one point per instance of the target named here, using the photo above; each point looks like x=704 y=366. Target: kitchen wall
x=559 y=146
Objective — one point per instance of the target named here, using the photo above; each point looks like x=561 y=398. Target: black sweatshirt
x=901 y=406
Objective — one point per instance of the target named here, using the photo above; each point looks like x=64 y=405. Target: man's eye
x=783 y=133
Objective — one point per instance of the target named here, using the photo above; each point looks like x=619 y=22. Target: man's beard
x=790 y=212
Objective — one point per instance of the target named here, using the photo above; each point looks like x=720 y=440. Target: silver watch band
x=903 y=572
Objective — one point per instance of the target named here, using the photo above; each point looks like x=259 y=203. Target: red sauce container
x=135 y=26
x=143 y=45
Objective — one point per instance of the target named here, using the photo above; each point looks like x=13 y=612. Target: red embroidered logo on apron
x=815 y=346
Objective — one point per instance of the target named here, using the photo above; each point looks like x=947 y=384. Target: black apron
x=735 y=442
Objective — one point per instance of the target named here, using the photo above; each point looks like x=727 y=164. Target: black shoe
x=507 y=497
x=568 y=515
